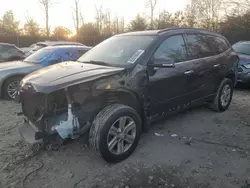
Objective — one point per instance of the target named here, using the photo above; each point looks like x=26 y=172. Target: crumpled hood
x=65 y=74
x=14 y=65
x=244 y=59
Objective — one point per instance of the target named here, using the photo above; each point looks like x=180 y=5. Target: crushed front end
x=49 y=115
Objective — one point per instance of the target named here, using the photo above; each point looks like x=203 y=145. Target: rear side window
x=219 y=44
x=198 y=46
x=39 y=46
x=172 y=48
x=81 y=52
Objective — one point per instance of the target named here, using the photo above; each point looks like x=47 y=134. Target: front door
x=169 y=86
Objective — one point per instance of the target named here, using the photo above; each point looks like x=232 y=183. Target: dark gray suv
x=123 y=84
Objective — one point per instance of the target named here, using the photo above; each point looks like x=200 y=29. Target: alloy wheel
x=121 y=135
x=225 y=95
x=12 y=88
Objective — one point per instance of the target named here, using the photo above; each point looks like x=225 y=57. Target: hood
x=244 y=59
x=65 y=74
x=15 y=65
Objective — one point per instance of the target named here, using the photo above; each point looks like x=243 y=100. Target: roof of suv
x=54 y=43
x=163 y=31
x=68 y=46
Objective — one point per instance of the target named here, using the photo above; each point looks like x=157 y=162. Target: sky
x=61 y=10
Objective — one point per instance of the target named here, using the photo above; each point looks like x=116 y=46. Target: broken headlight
x=27 y=87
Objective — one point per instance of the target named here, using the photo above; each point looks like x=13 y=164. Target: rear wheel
x=11 y=87
x=223 y=97
x=115 y=132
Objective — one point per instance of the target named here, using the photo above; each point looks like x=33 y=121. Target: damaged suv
x=123 y=84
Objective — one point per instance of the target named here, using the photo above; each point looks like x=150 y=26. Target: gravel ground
x=217 y=156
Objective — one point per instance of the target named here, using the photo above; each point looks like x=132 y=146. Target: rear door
x=222 y=57
x=201 y=54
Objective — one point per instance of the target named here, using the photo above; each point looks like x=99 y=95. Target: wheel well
x=125 y=98
x=231 y=76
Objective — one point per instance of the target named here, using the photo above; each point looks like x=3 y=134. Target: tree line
x=229 y=17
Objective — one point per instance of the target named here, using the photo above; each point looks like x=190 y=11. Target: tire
x=99 y=131
x=217 y=104
x=6 y=85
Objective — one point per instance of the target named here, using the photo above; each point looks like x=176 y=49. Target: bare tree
x=209 y=13
x=107 y=22
x=236 y=7
x=98 y=17
x=77 y=17
x=46 y=5
x=151 y=4
x=191 y=12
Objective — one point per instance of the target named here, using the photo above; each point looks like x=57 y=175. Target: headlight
x=247 y=66
x=27 y=86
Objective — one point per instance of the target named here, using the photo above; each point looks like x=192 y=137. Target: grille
x=33 y=105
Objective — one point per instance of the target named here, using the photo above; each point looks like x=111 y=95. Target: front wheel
x=223 y=97
x=115 y=132
x=11 y=87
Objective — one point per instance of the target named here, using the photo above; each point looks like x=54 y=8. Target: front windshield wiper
x=95 y=62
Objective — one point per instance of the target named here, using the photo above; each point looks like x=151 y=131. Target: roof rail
x=176 y=28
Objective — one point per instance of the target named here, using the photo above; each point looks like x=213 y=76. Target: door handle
x=188 y=72
x=216 y=65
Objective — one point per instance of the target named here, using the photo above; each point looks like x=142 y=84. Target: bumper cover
x=243 y=75
x=30 y=134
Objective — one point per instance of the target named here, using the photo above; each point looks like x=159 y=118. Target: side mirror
x=162 y=63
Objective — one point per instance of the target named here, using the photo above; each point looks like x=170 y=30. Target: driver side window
x=173 y=48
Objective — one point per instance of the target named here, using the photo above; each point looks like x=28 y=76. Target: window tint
x=219 y=44
x=172 y=48
x=198 y=46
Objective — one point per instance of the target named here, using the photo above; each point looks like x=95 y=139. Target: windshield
x=39 y=56
x=242 y=48
x=118 y=50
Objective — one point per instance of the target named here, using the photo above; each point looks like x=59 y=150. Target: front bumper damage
x=66 y=125
x=30 y=133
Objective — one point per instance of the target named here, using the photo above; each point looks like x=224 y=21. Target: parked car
x=34 y=47
x=123 y=84
x=27 y=49
x=242 y=48
x=11 y=73
x=9 y=52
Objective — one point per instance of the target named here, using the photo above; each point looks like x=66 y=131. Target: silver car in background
x=39 y=45
x=11 y=73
